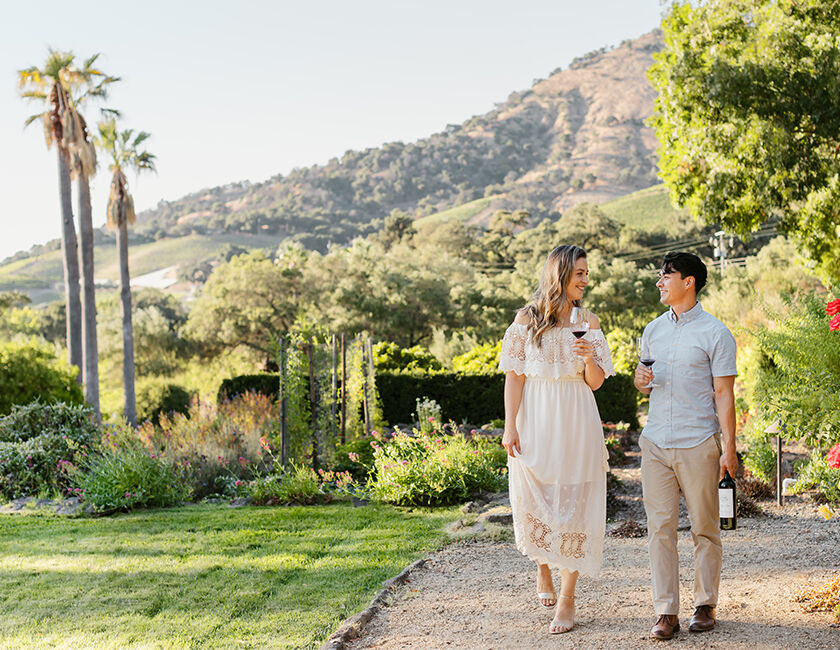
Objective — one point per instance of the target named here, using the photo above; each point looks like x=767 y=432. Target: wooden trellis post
x=313 y=407
x=343 y=388
x=284 y=437
x=333 y=383
x=365 y=397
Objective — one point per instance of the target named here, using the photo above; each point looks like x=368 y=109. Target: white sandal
x=563 y=628
x=547 y=595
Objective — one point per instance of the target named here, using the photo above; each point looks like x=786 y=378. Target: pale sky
x=248 y=89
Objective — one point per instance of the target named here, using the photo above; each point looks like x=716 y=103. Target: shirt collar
x=687 y=316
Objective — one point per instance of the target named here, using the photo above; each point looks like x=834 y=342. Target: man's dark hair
x=686 y=264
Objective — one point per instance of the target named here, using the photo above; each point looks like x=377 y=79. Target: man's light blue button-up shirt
x=688 y=353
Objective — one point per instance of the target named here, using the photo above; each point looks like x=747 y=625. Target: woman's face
x=580 y=278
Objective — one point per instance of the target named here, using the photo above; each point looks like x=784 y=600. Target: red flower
x=834 y=323
x=833 y=307
x=833 y=457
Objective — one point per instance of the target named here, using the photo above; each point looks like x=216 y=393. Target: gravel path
x=481 y=594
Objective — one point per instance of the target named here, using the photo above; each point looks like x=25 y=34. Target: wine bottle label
x=726 y=499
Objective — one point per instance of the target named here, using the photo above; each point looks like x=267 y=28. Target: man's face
x=673 y=287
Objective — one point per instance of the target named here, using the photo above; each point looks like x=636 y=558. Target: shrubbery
x=435 y=469
x=792 y=375
x=391 y=357
x=37 y=441
x=480 y=398
x=212 y=446
x=156 y=398
x=128 y=477
x=30 y=371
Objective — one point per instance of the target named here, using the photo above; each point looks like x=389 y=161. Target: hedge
x=266 y=383
x=474 y=398
x=480 y=398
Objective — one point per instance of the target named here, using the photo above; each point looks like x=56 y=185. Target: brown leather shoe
x=666 y=627
x=703 y=619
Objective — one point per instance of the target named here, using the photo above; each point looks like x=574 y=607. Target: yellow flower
x=826 y=512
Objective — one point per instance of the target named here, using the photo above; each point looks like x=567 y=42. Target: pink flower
x=127 y=495
x=405 y=462
x=353 y=456
x=833 y=456
x=833 y=307
x=431 y=419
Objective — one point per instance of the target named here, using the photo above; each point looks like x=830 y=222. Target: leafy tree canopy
x=748 y=118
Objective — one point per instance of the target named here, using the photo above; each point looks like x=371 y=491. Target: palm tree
x=123 y=148
x=83 y=166
x=66 y=87
x=50 y=86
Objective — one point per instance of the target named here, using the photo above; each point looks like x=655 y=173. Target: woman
x=557 y=460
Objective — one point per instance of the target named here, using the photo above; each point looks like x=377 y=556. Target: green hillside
x=460 y=213
x=647 y=210
x=42 y=276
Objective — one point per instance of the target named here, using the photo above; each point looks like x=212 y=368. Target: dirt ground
x=481 y=593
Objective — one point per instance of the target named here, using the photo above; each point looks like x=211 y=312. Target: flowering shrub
x=355 y=457
x=126 y=477
x=36 y=441
x=833 y=457
x=299 y=484
x=435 y=468
x=818 y=474
x=428 y=414
x=833 y=310
x=213 y=447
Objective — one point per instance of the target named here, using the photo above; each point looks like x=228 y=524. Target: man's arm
x=725 y=405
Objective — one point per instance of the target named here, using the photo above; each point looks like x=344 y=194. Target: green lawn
x=201 y=576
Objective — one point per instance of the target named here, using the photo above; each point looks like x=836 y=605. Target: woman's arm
x=513 y=398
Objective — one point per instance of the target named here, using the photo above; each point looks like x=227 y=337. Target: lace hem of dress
x=572 y=547
x=555 y=358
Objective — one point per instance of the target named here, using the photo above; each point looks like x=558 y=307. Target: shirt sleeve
x=722 y=355
x=602 y=352
x=512 y=356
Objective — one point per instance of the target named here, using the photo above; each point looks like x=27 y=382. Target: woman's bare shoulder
x=594 y=323
x=522 y=317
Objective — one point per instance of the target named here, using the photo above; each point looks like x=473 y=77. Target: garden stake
x=343 y=387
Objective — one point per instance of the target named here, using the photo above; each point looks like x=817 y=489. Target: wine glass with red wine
x=645 y=356
x=578 y=322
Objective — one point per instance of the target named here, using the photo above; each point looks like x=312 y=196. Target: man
x=691 y=401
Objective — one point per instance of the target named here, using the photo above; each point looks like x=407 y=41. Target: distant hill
x=578 y=135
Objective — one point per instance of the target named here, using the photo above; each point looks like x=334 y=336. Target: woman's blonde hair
x=550 y=297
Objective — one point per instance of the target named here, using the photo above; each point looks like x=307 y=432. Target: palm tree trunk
x=70 y=253
x=89 y=346
x=130 y=409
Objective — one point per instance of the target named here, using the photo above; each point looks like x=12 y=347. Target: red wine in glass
x=579 y=333
x=646 y=362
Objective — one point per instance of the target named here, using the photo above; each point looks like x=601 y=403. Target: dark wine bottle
x=578 y=333
x=726 y=499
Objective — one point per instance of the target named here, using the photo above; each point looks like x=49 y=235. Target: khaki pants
x=694 y=472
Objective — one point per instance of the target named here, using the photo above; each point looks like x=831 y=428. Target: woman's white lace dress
x=558 y=489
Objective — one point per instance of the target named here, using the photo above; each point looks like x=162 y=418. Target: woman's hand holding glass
x=579 y=326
